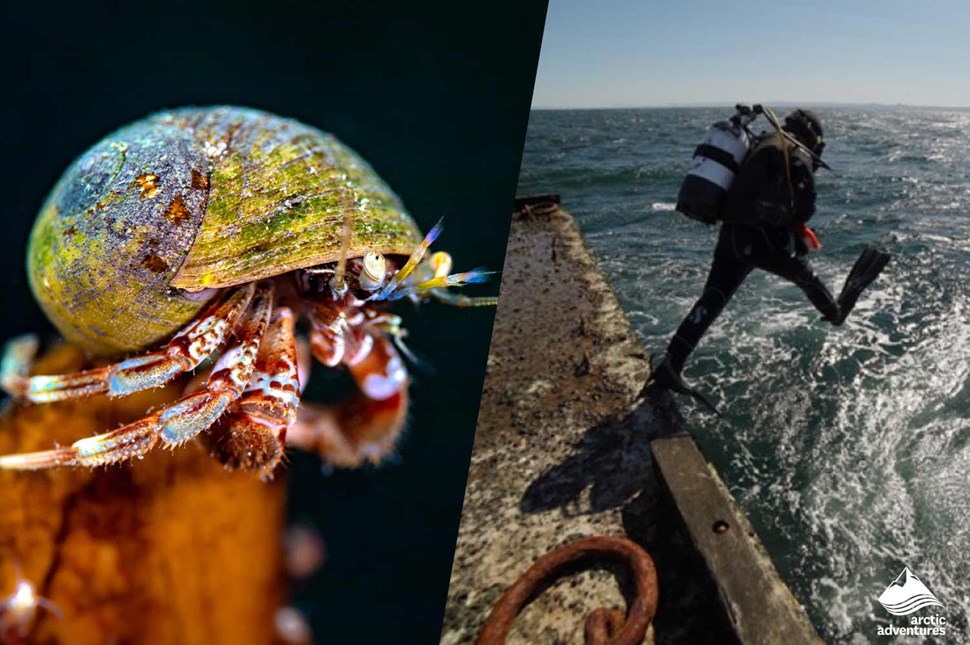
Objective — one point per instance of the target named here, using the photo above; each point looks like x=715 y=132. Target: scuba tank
x=715 y=163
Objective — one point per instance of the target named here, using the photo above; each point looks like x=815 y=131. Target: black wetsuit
x=762 y=218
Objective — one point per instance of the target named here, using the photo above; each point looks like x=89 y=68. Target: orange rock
x=168 y=549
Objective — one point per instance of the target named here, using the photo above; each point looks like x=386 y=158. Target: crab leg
x=173 y=424
x=251 y=433
x=356 y=432
x=196 y=342
x=365 y=426
x=333 y=335
x=360 y=344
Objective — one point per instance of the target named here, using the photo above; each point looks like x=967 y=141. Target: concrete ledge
x=758 y=605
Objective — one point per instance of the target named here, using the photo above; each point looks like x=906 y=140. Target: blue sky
x=624 y=53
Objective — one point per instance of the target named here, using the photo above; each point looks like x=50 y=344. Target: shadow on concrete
x=612 y=461
x=612 y=468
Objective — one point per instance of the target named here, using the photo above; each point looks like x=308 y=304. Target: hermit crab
x=197 y=239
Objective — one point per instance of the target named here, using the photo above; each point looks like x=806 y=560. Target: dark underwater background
x=435 y=96
x=848 y=448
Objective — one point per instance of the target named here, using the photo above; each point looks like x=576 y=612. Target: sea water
x=849 y=448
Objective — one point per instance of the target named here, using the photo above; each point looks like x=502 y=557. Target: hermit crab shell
x=192 y=199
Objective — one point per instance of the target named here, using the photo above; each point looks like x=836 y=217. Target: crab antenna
x=475 y=276
x=337 y=283
x=437 y=288
x=412 y=262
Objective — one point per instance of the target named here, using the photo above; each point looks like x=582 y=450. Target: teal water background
x=848 y=448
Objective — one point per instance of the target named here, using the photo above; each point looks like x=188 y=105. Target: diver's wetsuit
x=762 y=218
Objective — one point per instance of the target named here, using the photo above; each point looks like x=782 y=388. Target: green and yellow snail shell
x=143 y=225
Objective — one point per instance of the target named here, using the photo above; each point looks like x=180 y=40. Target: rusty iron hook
x=603 y=626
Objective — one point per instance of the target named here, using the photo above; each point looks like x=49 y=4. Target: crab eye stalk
x=337 y=284
x=374 y=272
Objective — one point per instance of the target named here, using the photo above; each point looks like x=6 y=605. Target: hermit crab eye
x=374 y=272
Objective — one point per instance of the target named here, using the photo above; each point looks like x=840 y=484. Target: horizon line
x=702 y=104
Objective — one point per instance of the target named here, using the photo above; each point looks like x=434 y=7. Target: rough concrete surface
x=562 y=452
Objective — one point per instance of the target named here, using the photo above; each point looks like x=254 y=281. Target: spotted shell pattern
x=192 y=199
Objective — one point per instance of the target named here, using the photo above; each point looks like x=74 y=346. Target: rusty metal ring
x=602 y=625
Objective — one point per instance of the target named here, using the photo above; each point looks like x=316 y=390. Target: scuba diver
x=764 y=209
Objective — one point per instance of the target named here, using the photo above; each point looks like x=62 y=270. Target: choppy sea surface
x=849 y=448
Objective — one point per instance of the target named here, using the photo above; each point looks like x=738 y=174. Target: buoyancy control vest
x=781 y=192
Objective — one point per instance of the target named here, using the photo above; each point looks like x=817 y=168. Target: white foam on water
x=839 y=443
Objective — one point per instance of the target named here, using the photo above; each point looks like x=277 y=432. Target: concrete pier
x=563 y=451
x=760 y=608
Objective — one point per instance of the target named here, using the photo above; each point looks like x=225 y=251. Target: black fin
x=664 y=376
x=703 y=399
x=866 y=269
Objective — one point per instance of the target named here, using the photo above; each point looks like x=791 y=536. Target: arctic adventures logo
x=904 y=596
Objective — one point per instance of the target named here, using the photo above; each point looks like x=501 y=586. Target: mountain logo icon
x=907 y=594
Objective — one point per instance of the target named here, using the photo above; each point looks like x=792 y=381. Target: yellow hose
x=784 y=149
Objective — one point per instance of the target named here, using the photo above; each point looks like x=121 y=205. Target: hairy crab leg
x=173 y=424
x=365 y=426
x=356 y=432
x=329 y=431
x=187 y=349
x=251 y=433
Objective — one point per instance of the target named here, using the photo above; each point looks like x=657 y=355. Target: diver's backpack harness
x=716 y=162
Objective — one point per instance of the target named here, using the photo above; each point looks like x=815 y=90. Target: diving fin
x=867 y=268
x=664 y=376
